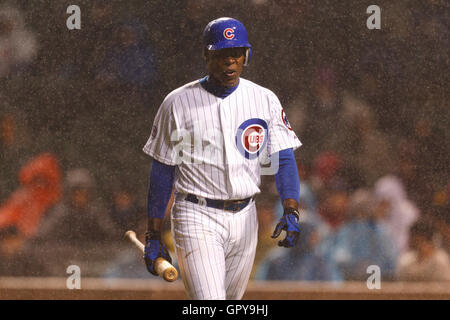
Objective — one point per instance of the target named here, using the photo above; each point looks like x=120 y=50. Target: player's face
x=226 y=65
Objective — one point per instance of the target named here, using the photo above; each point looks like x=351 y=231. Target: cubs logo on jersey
x=251 y=137
x=285 y=120
x=228 y=33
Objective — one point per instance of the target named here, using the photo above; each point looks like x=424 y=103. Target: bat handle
x=131 y=235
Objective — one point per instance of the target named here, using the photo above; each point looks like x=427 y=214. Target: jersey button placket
x=224 y=119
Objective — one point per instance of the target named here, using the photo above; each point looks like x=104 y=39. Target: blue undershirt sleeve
x=286 y=179
x=159 y=189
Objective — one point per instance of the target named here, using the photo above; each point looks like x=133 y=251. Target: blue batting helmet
x=226 y=33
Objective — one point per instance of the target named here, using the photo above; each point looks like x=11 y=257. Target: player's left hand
x=154 y=248
x=289 y=222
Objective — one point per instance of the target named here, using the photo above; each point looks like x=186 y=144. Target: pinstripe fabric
x=199 y=133
x=215 y=249
x=209 y=163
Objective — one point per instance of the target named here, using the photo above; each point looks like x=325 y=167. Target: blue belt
x=228 y=205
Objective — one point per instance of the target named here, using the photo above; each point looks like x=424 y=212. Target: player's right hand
x=154 y=248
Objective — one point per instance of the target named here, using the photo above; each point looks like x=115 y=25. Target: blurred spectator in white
x=425 y=261
x=18 y=46
x=400 y=212
x=362 y=241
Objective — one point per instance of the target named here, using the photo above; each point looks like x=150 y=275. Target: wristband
x=293 y=211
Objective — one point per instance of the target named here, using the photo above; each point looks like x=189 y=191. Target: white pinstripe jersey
x=216 y=143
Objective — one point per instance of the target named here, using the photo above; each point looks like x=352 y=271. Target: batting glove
x=154 y=248
x=289 y=223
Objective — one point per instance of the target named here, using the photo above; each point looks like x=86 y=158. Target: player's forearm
x=159 y=192
x=287 y=180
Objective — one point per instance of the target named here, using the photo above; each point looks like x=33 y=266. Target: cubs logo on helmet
x=228 y=33
x=251 y=137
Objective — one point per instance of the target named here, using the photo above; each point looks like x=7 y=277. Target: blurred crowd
x=370 y=107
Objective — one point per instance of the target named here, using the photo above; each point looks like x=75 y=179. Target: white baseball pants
x=215 y=249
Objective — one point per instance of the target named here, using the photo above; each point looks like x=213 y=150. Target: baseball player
x=206 y=142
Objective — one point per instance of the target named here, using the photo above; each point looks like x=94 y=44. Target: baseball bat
x=162 y=266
